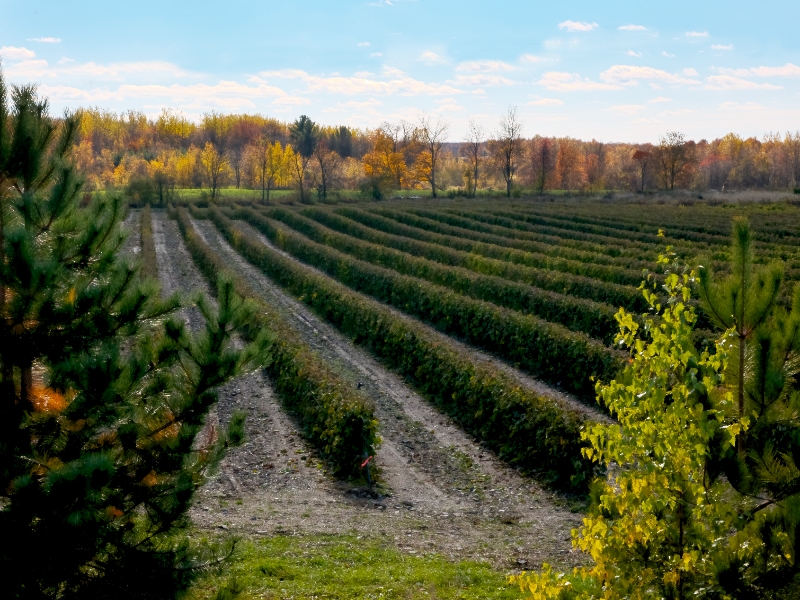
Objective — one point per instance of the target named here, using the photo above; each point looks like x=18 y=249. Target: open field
x=469 y=332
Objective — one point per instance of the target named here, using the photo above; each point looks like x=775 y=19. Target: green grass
x=340 y=566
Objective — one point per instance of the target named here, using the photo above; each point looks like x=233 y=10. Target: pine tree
x=103 y=393
x=766 y=346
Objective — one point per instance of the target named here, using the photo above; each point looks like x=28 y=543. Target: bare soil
x=441 y=491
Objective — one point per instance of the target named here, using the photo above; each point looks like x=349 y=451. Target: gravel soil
x=441 y=491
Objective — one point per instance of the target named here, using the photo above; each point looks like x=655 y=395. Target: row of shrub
x=467 y=224
x=336 y=418
x=538 y=434
x=592 y=318
x=546 y=350
x=491 y=222
x=490 y=259
x=148 y=246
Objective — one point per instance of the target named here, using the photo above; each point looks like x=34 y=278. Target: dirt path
x=444 y=492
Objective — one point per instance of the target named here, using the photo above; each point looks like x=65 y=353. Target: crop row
x=491 y=259
x=534 y=432
x=336 y=418
x=546 y=350
x=148 y=247
x=592 y=318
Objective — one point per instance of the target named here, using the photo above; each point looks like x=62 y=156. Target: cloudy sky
x=615 y=71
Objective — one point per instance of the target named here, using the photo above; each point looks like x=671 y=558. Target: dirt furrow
x=459 y=496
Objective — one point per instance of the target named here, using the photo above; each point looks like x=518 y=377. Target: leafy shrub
x=337 y=419
x=538 y=434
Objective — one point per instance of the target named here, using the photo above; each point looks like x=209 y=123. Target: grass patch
x=348 y=567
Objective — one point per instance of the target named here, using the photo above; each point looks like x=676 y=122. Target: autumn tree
x=541 y=162
x=432 y=136
x=104 y=395
x=304 y=134
x=791 y=154
x=269 y=161
x=472 y=152
x=215 y=166
x=642 y=159
x=384 y=167
x=674 y=156
x=327 y=163
x=505 y=147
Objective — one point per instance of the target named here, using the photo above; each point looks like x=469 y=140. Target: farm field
x=461 y=335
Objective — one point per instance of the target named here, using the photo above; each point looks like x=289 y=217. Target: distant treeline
x=156 y=156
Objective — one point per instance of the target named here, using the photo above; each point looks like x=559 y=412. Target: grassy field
x=348 y=567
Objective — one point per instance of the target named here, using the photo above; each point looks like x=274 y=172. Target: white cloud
x=450 y=107
x=721 y=47
x=729 y=82
x=64 y=60
x=531 y=58
x=290 y=101
x=375 y=54
x=16 y=53
x=484 y=66
x=632 y=53
x=697 y=34
x=677 y=113
x=632 y=28
x=482 y=79
x=627 y=109
x=545 y=102
x=659 y=99
x=365 y=106
x=747 y=106
x=667 y=54
x=787 y=70
x=690 y=72
x=363 y=44
x=46 y=40
x=431 y=58
x=632 y=74
x=397 y=83
x=573 y=26
x=561 y=81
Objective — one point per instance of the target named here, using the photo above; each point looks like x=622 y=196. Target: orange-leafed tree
x=384 y=167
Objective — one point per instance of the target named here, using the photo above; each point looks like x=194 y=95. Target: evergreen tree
x=766 y=351
x=103 y=393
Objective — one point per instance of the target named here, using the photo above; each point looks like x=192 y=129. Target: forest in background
x=151 y=158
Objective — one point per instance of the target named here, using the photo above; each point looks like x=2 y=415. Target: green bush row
x=594 y=319
x=538 y=434
x=471 y=228
x=546 y=350
x=509 y=263
x=336 y=418
x=148 y=246
x=490 y=222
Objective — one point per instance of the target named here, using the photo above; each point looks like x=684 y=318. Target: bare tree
x=642 y=158
x=673 y=157
x=327 y=163
x=541 y=162
x=791 y=153
x=506 y=147
x=432 y=136
x=472 y=150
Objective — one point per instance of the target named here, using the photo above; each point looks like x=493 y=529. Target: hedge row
x=148 y=246
x=509 y=263
x=594 y=319
x=468 y=225
x=336 y=418
x=506 y=227
x=535 y=433
x=548 y=351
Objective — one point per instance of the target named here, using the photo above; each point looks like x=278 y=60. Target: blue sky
x=614 y=71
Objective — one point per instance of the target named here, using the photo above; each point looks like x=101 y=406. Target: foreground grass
x=347 y=567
